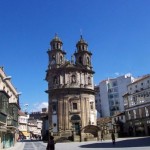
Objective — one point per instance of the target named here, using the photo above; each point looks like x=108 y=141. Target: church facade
x=70 y=91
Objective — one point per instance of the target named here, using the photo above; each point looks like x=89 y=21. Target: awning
x=25 y=133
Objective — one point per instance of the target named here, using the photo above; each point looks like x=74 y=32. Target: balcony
x=12 y=123
x=74 y=111
x=2 y=119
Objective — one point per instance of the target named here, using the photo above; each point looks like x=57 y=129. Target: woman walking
x=113 y=137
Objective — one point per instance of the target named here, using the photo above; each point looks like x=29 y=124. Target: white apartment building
x=110 y=95
x=98 y=101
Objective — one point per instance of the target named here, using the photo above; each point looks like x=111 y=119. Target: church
x=71 y=97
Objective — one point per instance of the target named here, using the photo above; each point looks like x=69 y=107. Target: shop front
x=8 y=140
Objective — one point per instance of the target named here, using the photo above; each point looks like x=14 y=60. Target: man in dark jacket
x=51 y=144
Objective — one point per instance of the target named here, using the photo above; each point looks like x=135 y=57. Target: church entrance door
x=77 y=127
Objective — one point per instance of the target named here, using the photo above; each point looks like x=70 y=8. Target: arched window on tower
x=88 y=61
x=80 y=60
x=79 y=47
x=57 y=45
x=53 y=45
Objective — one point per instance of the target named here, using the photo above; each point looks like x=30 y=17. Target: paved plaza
x=121 y=144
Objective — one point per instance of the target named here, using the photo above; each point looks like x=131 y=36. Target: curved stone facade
x=70 y=89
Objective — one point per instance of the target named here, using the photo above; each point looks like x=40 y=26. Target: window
x=3 y=102
x=89 y=81
x=54 y=124
x=111 y=96
x=75 y=106
x=129 y=115
x=116 y=89
x=146 y=112
x=54 y=107
x=80 y=60
x=116 y=95
x=109 y=90
x=140 y=112
x=117 y=102
x=115 y=83
x=134 y=113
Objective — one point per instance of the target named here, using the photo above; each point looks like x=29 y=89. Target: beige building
x=23 y=125
x=71 y=92
x=35 y=127
x=9 y=106
x=137 y=107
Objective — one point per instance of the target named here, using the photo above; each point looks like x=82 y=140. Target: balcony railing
x=11 y=122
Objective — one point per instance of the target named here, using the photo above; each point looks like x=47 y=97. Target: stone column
x=60 y=113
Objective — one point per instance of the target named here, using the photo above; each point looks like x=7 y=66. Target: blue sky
x=117 y=31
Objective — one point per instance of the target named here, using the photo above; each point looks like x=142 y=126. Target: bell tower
x=56 y=54
x=82 y=55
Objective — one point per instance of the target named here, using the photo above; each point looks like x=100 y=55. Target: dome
x=56 y=39
x=81 y=41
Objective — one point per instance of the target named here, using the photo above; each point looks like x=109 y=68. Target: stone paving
x=121 y=144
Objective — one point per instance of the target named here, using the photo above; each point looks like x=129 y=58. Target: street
x=121 y=143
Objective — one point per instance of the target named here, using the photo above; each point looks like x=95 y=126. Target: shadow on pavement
x=31 y=141
x=140 y=142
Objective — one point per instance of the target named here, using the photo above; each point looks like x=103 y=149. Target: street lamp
x=7 y=78
x=19 y=93
x=72 y=131
x=80 y=131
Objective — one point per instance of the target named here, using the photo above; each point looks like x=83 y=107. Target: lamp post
x=80 y=132
x=72 y=132
x=7 y=78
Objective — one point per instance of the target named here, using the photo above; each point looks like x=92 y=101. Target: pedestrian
x=51 y=144
x=102 y=136
x=113 y=137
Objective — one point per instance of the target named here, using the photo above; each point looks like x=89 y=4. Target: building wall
x=111 y=92
x=10 y=135
x=137 y=107
x=70 y=89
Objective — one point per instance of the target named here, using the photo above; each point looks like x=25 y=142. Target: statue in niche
x=73 y=79
x=88 y=61
x=55 y=80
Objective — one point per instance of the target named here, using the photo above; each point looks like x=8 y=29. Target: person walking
x=102 y=136
x=51 y=144
x=113 y=137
